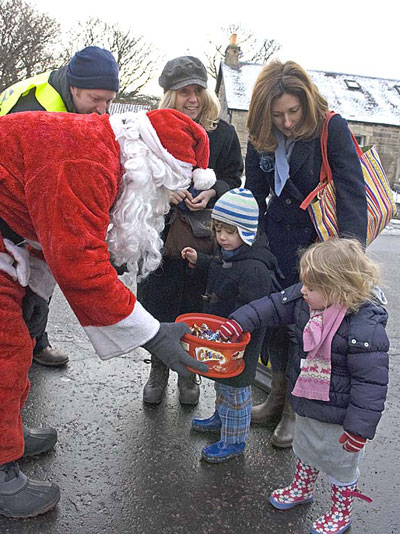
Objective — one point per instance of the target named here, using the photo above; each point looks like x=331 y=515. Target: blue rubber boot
x=222 y=452
x=212 y=424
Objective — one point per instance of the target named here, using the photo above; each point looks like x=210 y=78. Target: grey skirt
x=317 y=444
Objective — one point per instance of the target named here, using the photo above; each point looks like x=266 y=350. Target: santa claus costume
x=76 y=188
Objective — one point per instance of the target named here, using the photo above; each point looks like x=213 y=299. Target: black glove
x=166 y=346
x=35 y=311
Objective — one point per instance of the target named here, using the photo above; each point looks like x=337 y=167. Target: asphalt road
x=125 y=468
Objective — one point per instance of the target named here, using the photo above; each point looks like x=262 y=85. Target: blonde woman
x=175 y=288
x=283 y=161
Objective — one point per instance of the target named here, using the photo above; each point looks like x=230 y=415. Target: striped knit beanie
x=238 y=208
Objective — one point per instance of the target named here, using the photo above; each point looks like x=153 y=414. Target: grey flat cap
x=182 y=71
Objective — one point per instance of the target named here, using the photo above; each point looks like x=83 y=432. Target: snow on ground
x=393 y=228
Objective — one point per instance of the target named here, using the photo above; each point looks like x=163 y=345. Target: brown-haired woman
x=283 y=163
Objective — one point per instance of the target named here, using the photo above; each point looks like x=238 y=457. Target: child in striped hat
x=238 y=273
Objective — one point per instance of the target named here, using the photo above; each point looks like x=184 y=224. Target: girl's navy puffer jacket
x=359 y=376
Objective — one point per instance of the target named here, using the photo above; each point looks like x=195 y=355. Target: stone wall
x=386 y=138
x=387 y=141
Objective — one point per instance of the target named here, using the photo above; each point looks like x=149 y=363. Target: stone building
x=370 y=105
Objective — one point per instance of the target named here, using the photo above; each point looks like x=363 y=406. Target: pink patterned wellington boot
x=301 y=490
x=338 y=519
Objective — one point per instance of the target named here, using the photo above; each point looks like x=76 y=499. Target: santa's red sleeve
x=71 y=223
x=59 y=176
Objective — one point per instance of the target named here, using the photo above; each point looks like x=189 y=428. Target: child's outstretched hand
x=351 y=442
x=230 y=330
x=189 y=254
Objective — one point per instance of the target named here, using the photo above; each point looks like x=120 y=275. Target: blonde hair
x=210 y=107
x=275 y=80
x=341 y=271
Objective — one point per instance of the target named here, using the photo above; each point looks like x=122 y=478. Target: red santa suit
x=60 y=175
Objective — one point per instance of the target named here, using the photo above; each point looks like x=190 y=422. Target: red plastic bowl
x=224 y=360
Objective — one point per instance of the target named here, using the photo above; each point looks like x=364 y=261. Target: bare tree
x=27 y=42
x=135 y=57
x=252 y=49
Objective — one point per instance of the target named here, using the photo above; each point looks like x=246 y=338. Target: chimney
x=232 y=52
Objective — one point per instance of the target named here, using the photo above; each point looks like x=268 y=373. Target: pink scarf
x=315 y=374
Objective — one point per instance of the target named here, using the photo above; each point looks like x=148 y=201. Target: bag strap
x=325 y=176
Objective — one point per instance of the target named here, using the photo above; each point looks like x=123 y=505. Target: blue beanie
x=239 y=208
x=93 y=68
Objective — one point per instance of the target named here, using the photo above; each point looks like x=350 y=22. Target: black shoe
x=154 y=389
x=50 y=357
x=189 y=389
x=38 y=440
x=21 y=497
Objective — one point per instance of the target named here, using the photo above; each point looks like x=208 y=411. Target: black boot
x=272 y=407
x=284 y=432
x=21 y=497
x=154 y=389
x=50 y=357
x=38 y=440
x=189 y=389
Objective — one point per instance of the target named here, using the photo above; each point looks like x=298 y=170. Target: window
x=360 y=139
x=353 y=85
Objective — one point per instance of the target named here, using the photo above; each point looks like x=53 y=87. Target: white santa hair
x=159 y=150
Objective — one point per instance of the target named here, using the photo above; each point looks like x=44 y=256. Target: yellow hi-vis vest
x=45 y=94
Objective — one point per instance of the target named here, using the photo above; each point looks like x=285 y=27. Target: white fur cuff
x=124 y=336
x=204 y=179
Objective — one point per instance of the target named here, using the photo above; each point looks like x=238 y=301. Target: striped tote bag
x=321 y=202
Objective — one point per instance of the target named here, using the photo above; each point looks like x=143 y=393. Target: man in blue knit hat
x=87 y=84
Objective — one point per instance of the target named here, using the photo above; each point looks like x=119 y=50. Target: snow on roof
x=372 y=100
x=122 y=107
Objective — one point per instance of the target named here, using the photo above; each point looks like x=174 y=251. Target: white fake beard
x=137 y=217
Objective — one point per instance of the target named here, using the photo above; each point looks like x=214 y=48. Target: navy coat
x=288 y=227
x=359 y=375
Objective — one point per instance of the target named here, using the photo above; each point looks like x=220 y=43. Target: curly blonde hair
x=341 y=271
x=275 y=80
x=210 y=107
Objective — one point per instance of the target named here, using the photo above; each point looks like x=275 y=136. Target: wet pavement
x=127 y=468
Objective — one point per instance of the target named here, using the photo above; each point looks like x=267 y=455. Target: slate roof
x=370 y=100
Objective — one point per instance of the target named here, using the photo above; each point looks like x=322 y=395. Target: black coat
x=58 y=80
x=359 y=360
x=225 y=157
x=288 y=227
x=232 y=284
